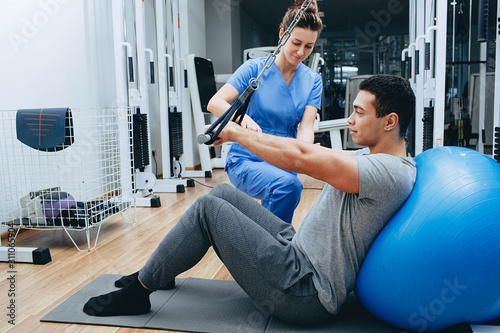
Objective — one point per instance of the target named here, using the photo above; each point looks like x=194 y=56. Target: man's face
x=365 y=128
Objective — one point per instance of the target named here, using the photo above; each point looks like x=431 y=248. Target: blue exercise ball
x=437 y=262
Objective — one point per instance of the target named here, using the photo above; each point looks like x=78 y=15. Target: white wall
x=253 y=34
x=193 y=13
x=236 y=37
x=223 y=35
x=49 y=54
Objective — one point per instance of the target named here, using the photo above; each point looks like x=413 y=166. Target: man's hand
x=224 y=135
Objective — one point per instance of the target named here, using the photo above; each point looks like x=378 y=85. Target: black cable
x=180 y=166
x=199 y=182
x=179 y=175
x=156 y=164
x=306 y=188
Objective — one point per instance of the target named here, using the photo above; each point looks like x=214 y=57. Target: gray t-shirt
x=340 y=228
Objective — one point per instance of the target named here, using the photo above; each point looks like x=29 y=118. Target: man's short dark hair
x=392 y=94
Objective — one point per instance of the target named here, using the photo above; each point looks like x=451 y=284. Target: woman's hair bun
x=313 y=7
x=310 y=19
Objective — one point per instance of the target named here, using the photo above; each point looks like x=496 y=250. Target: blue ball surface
x=437 y=262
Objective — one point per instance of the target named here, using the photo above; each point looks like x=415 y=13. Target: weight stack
x=175 y=130
x=140 y=141
x=428 y=121
x=460 y=137
x=497 y=144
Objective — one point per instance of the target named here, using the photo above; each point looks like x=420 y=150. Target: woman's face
x=300 y=45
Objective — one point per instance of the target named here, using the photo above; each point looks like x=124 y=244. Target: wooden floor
x=121 y=249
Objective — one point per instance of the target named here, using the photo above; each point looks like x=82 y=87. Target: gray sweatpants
x=254 y=245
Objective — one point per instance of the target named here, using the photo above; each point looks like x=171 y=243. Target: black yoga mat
x=198 y=305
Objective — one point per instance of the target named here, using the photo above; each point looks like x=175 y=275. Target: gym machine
x=426 y=70
x=142 y=86
x=444 y=114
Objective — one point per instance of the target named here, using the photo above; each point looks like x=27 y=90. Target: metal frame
x=440 y=72
x=496 y=115
x=136 y=94
x=429 y=84
x=170 y=93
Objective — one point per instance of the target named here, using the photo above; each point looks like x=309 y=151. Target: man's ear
x=392 y=120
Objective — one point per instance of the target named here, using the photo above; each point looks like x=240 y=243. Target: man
x=310 y=271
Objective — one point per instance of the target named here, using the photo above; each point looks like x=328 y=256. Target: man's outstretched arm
x=332 y=166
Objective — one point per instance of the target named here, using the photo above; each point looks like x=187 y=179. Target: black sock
x=125 y=280
x=133 y=299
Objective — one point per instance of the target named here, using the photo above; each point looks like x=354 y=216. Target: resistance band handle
x=427 y=56
x=235 y=112
x=403 y=68
x=238 y=109
x=209 y=137
x=204 y=138
x=130 y=69
x=152 y=71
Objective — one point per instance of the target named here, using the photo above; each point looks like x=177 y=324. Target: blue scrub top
x=276 y=107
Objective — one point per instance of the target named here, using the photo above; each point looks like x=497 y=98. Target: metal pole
x=496 y=115
x=470 y=47
x=418 y=77
x=482 y=96
x=440 y=66
x=452 y=94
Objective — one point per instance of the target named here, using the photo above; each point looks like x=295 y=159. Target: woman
x=289 y=96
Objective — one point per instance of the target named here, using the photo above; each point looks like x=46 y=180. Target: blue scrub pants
x=256 y=247
x=278 y=190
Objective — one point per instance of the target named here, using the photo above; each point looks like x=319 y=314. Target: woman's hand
x=248 y=123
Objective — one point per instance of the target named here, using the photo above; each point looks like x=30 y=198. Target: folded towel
x=47 y=129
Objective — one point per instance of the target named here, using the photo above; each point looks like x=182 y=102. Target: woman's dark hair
x=310 y=19
x=392 y=94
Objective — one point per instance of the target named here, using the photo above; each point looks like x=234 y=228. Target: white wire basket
x=75 y=186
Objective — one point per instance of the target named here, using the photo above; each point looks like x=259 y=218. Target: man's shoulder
x=359 y=152
x=390 y=163
x=384 y=175
x=365 y=152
